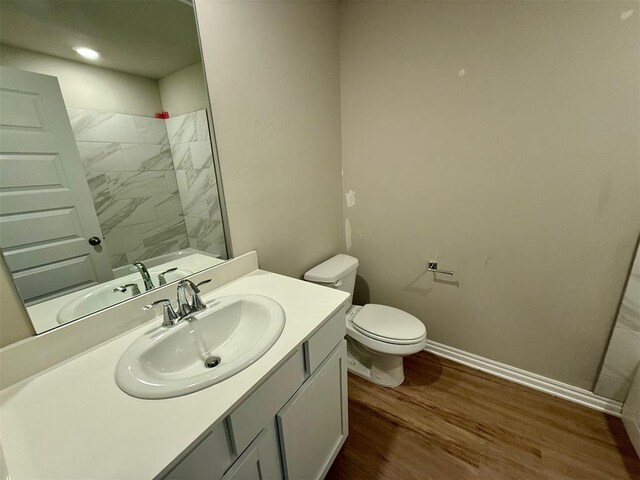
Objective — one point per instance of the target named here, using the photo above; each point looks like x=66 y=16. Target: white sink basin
x=234 y=331
x=103 y=296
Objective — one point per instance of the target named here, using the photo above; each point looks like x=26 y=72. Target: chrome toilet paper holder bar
x=433 y=267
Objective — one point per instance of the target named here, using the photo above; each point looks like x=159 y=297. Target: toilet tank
x=338 y=272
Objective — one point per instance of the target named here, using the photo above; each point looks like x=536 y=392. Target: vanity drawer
x=322 y=343
x=248 y=419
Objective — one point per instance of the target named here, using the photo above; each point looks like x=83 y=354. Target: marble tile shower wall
x=623 y=353
x=130 y=171
x=193 y=163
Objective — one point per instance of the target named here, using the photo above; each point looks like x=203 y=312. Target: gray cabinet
x=313 y=424
x=209 y=459
x=260 y=461
x=292 y=426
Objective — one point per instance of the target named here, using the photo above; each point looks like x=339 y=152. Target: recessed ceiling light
x=87 y=53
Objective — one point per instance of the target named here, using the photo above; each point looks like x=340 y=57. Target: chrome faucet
x=186 y=308
x=170 y=317
x=146 y=278
x=135 y=290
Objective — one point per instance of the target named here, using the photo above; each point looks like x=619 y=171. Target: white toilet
x=378 y=337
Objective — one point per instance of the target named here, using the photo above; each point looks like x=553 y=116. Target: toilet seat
x=389 y=325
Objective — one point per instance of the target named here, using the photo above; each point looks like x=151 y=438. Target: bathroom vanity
x=283 y=416
x=292 y=426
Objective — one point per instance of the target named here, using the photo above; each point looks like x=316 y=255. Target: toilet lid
x=389 y=322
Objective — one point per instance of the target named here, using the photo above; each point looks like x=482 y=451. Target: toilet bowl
x=378 y=336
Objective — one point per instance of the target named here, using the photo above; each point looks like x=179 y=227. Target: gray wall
x=273 y=75
x=184 y=91
x=503 y=138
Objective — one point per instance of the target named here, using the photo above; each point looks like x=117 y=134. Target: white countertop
x=73 y=422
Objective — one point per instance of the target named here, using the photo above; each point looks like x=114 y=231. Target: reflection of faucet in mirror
x=135 y=290
x=146 y=278
x=161 y=279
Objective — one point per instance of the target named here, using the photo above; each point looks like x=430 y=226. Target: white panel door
x=46 y=211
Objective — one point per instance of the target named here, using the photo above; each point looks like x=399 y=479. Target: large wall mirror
x=108 y=184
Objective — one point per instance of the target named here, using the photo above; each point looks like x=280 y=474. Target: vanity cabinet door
x=207 y=461
x=248 y=466
x=261 y=459
x=313 y=425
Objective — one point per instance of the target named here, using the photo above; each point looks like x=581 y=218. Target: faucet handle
x=169 y=315
x=161 y=279
x=197 y=303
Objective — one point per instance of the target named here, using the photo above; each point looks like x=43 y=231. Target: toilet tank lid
x=332 y=270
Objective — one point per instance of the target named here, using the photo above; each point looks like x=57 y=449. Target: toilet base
x=385 y=370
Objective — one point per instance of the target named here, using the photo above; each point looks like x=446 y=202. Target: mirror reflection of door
x=106 y=155
x=46 y=212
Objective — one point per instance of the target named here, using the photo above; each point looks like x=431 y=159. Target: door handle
x=94 y=241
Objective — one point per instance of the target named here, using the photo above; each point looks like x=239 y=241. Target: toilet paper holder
x=433 y=267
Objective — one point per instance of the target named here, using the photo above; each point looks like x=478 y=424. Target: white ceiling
x=151 y=38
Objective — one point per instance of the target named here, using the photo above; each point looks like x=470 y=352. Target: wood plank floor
x=448 y=421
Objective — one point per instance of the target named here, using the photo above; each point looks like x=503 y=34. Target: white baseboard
x=532 y=380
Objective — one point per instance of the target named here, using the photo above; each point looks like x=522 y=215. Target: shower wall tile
x=136 y=184
x=194 y=206
x=101 y=157
x=167 y=206
x=172 y=183
x=182 y=129
x=629 y=316
x=119 y=260
x=205 y=234
x=129 y=168
x=612 y=388
x=160 y=231
x=151 y=130
x=95 y=126
x=99 y=188
x=181 y=154
x=148 y=178
x=196 y=181
x=201 y=155
x=124 y=239
x=187 y=128
x=123 y=212
x=623 y=354
x=147 y=157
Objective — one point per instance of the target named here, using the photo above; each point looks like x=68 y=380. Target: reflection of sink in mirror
x=44 y=315
x=206 y=349
x=104 y=296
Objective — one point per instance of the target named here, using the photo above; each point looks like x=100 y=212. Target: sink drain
x=212 y=361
